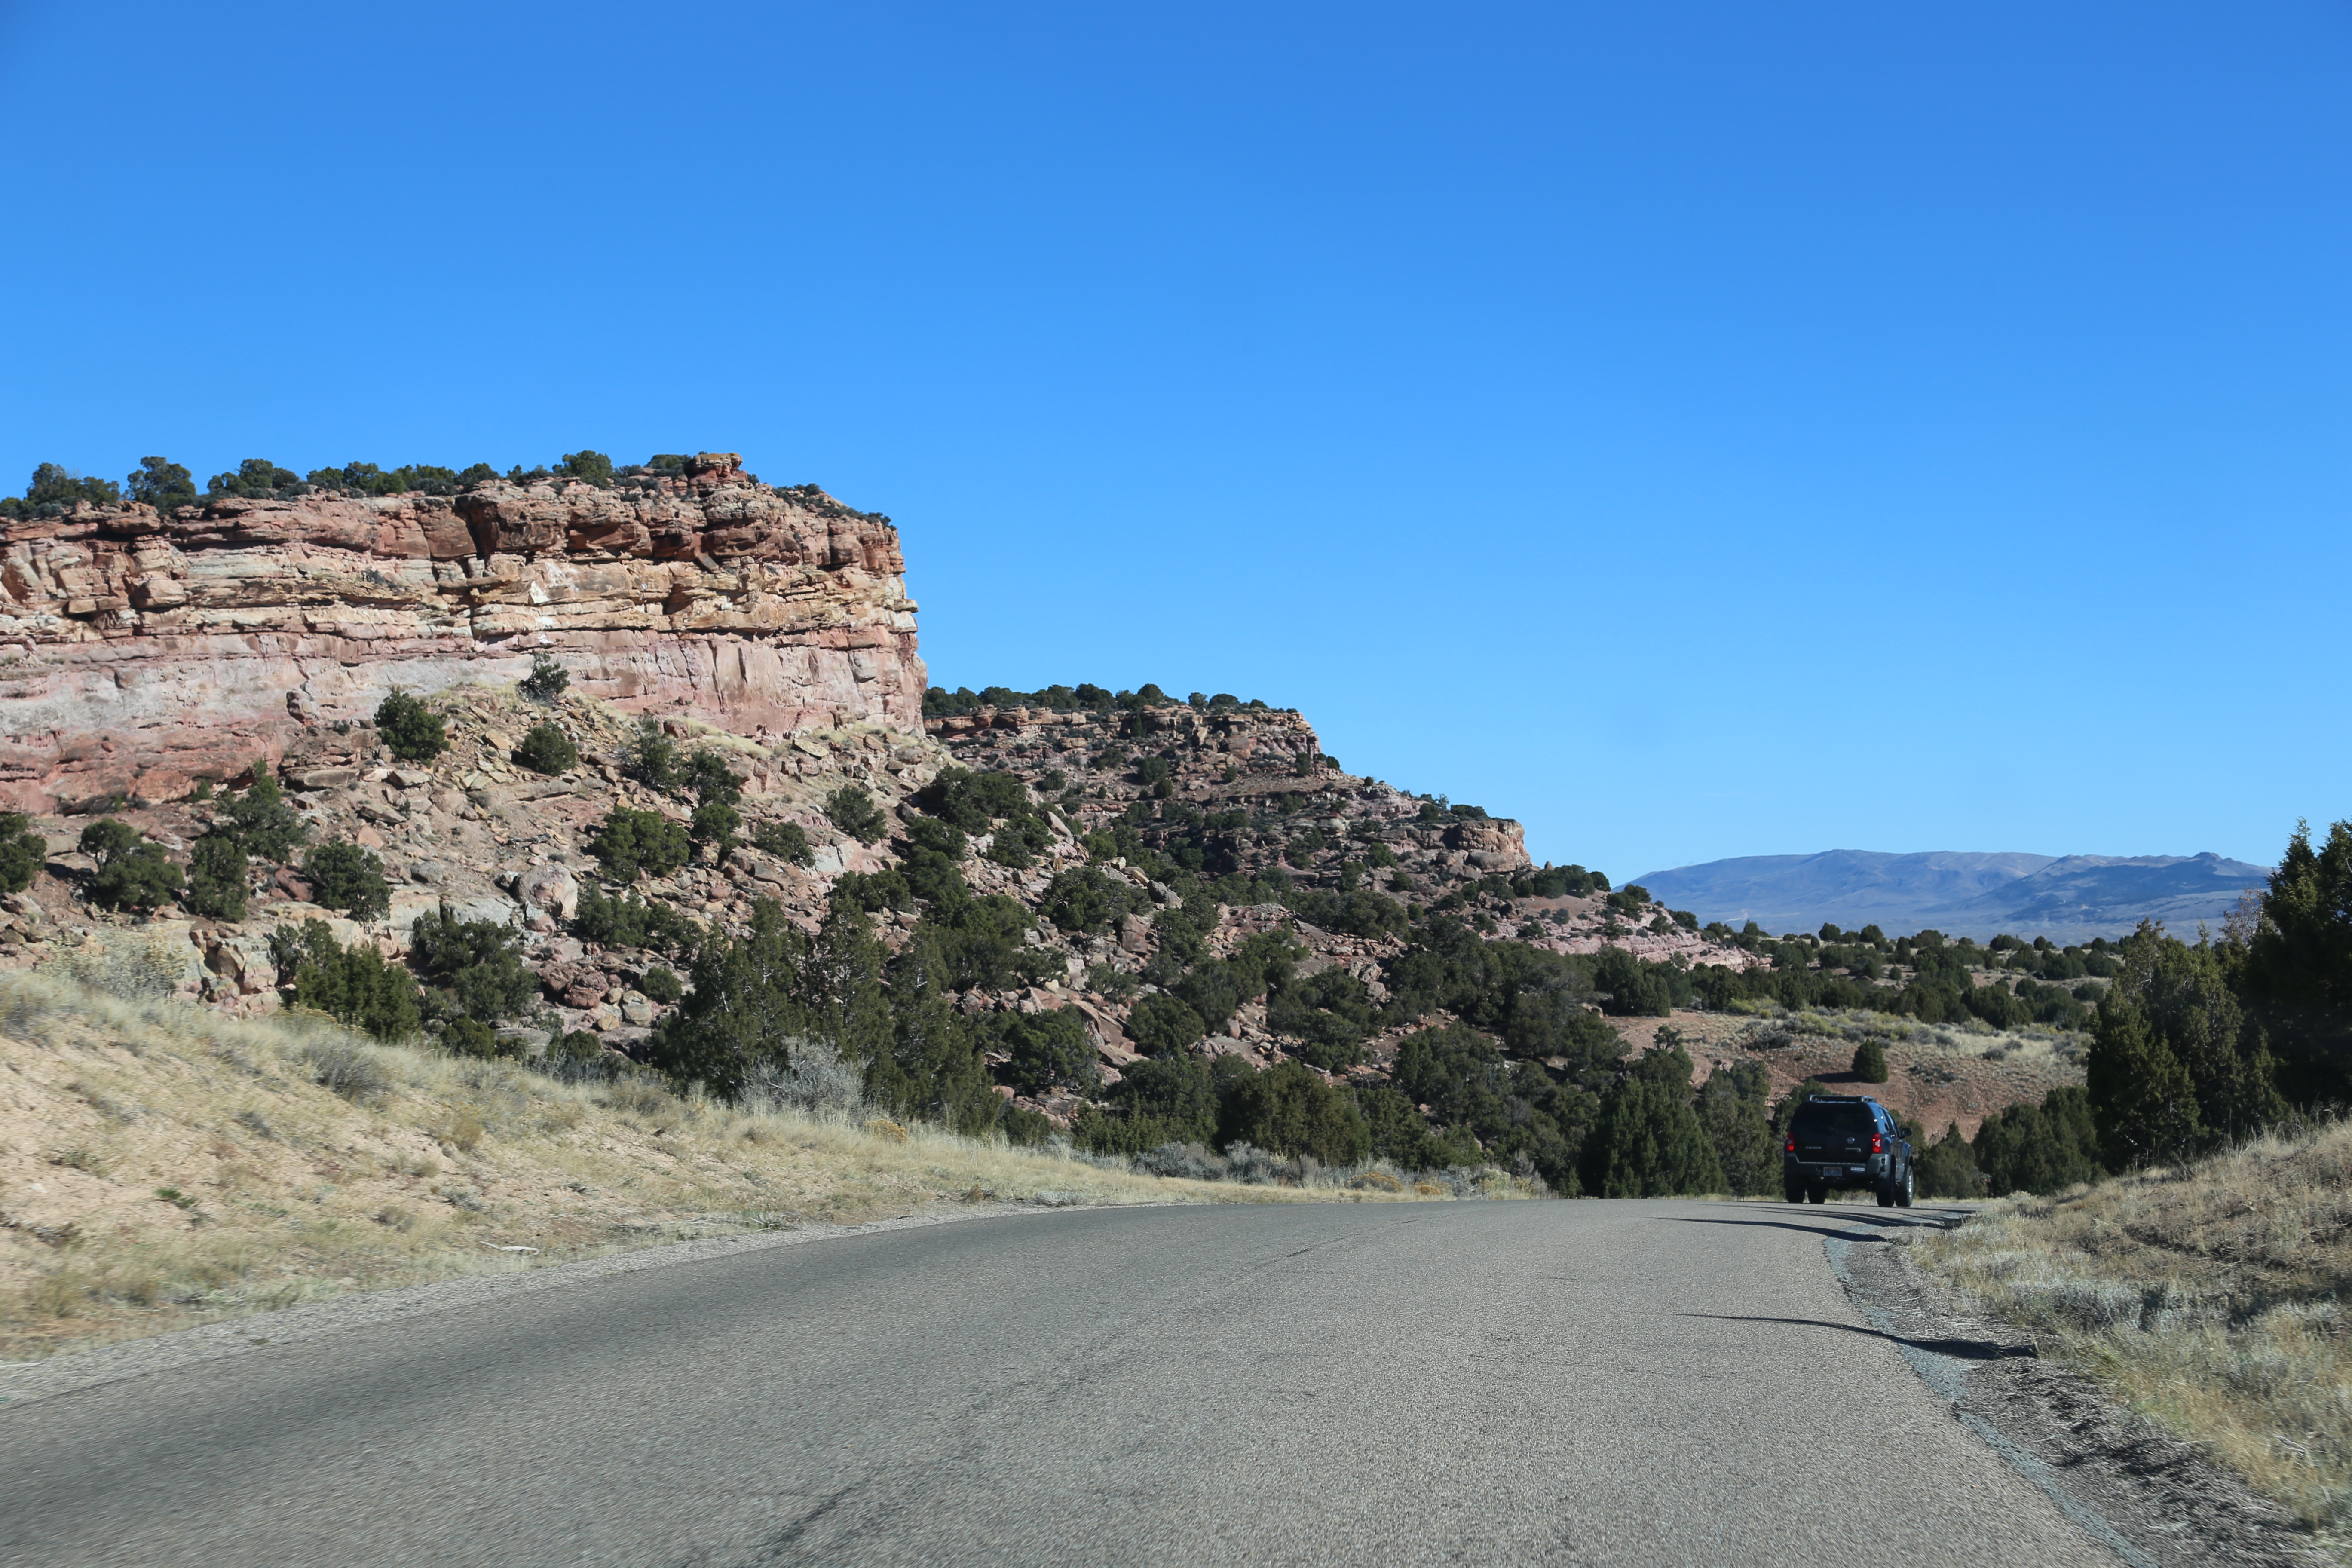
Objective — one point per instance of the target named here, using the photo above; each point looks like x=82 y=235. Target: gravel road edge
x=2153 y=1499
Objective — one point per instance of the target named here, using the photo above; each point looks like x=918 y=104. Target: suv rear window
x=1813 y=1120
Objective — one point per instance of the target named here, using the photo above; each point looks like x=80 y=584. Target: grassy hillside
x=160 y=1165
x=2207 y=1295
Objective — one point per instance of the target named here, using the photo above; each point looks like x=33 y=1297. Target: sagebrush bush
x=348 y=1070
x=1258 y=1167
x=1193 y=1162
x=813 y=1078
x=136 y=971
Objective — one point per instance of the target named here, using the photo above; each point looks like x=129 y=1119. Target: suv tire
x=1793 y=1189
x=1908 y=1190
x=1818 y=1195
x=1887 y=1194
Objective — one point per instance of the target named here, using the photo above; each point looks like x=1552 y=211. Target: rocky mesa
x=683 y=805
x=146 y=652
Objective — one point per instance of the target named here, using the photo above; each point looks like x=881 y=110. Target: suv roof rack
x=1838 y=1099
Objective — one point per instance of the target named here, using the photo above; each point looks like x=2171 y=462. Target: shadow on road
x=1959 y=1350
x=1844 y=1227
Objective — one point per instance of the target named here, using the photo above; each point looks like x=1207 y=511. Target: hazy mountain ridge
x=2069 y=897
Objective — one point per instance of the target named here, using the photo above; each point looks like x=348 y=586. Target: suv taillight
x=1792 y=1144
x=1877 y=1145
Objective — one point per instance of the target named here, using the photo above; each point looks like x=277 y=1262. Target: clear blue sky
x=1695 y=430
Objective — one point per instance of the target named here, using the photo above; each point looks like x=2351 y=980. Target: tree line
x=1083 y=698
x=2194 y=1046
x=159 y=482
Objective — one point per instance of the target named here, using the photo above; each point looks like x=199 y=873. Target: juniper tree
x=745 y=1008
x=1735 y=1111
x=933 y=1068
x=1648 y=1142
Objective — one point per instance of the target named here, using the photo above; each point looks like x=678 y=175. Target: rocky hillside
x=472 y=830
x=1197 y=829
x=147 y=652
x=1229 y=821
x=687 y=804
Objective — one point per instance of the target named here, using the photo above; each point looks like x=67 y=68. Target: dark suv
x=1845 y=1141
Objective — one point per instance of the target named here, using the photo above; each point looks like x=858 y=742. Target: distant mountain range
x=2070 y=898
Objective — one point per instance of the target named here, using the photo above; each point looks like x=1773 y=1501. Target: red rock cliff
x=140 y=653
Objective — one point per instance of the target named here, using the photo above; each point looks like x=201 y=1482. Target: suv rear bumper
x=1869 y=1172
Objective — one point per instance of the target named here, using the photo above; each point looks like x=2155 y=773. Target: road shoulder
x=24 y=1384
x=2152 y=1498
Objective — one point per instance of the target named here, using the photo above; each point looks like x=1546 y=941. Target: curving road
x=1563 y=1382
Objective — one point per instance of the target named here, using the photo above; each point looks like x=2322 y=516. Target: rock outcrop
x=144 y=656
x=142 y=653
x=1266 y=762
x=1247 y=792
x=472 y=832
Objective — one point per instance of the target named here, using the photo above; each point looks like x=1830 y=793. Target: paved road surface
x=1566 y=1382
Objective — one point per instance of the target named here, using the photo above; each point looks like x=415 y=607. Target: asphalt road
x=1477 y=1382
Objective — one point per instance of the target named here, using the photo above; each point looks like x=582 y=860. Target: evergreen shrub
x=132 y=870
x=342 y=876
x=784 y=840
x=629 y=844
x=852 y=810
x=546 y=681
x=545 y=749
x=23 y=852
x=413 y=732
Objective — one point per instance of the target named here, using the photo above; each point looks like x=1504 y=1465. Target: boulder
x=1135 y=934
x=553 y=888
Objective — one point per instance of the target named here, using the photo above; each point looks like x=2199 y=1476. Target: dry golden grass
x=162 y=1165
x=2208 y=1297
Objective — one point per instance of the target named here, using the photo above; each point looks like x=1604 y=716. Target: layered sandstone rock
x=140 y=653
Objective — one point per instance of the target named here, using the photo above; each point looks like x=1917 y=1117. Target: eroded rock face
x=140 y=653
